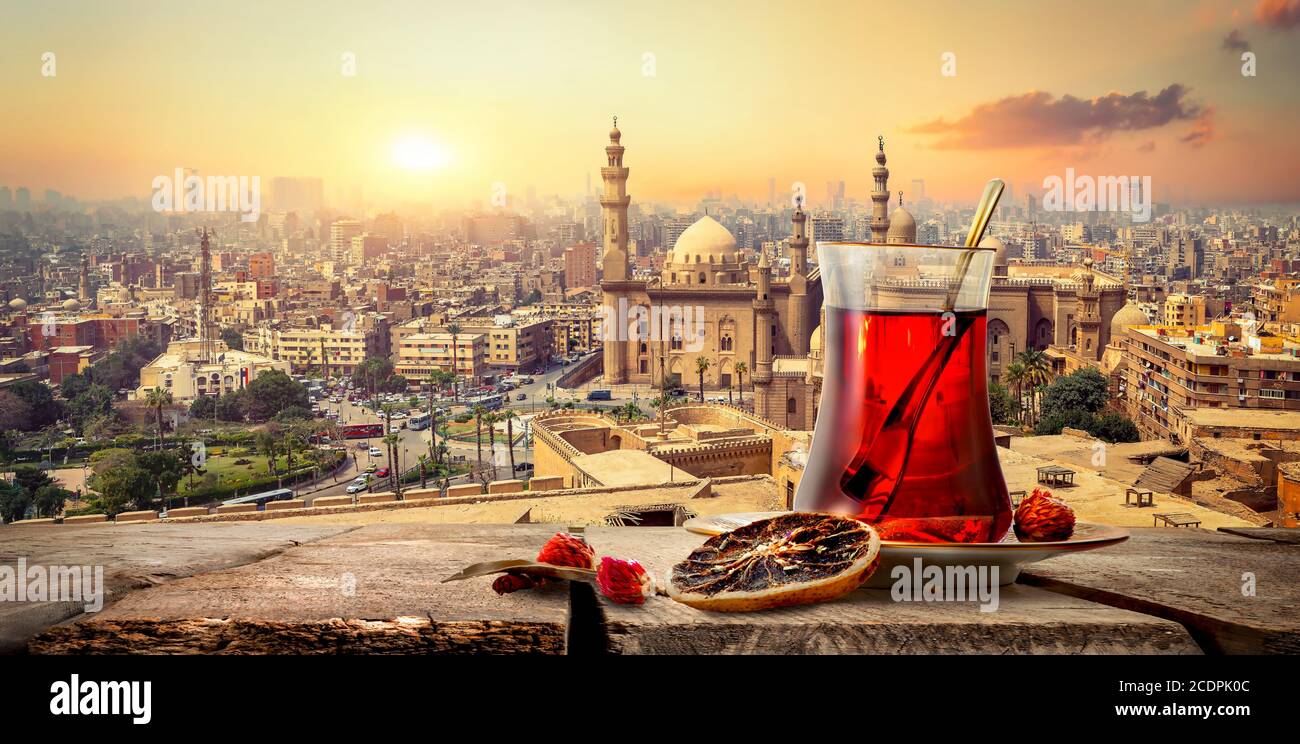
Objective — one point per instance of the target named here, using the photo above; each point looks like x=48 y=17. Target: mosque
x=772 y=325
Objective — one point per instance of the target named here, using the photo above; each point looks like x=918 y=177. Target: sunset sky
x=522 y=93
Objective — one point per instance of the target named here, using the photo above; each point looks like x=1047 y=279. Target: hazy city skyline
x=719 y=99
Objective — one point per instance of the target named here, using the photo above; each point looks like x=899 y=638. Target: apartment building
x=419 y=354
x=515 y=345
x=337 y=351
x=1170 y=371
x=1184 y=310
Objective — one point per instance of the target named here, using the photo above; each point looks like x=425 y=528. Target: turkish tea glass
x=903 y=438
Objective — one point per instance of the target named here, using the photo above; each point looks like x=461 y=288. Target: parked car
x=356 y=487
x=521 y=396
x=376 y=452
x=371 y=468
x=381 y=473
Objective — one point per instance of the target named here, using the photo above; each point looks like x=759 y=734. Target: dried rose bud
x=513 y=582
x=624 y=582
x=1043 y=518
x=567 y=550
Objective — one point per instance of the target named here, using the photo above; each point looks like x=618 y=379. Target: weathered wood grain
x=867 y=621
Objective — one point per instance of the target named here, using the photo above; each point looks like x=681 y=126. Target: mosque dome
x=815 y=341
x=999 y=248
x=18 y=304
x=705 y=242
x=71 y=305
x=1129 y=315
x=902 y=227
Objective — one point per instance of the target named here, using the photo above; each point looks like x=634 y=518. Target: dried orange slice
x=793 y=559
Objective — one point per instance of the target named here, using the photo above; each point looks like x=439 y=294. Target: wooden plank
x=867 y=621
x=1276 y=534
x=373 y=590
x=1198 y=578
x=134 y=556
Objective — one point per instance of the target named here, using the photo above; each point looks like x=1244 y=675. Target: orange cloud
x=1036 y=119
x=1284 y=14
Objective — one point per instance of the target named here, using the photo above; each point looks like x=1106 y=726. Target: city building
x=419 y=354
x=1167 y=372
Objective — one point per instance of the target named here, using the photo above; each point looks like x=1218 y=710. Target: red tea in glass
x=903 y=438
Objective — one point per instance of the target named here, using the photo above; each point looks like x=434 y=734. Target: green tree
x=73 y=385
x=701 y=366
x=14 y=501
x=1114 y=427
x=45 y=410
x=1038 y=372
x=741 y=369
x=454 y=329
x=48 y=500
x=510 y=417
x=1084 y=390
x=94 y=400
x=271 y=392
x=233 y=337
x=230 y=407
x=156 y=399
x=478 y=412
x=122 y=487
x=490 y=422
x=204 y=407
x=1003 y=408
x=31 y=479
x=165 y=467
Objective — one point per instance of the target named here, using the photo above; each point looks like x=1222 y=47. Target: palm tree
x=490 y=420
x=1038 y=373
x=1015 y=377
x=741 y=369
x=661 y=404
x=156 y=399
x=267 y=445
x=701 y=366
x=423 y=462
x=479 y=411
x=394 y=483
x=454 y=330
x=509 y=416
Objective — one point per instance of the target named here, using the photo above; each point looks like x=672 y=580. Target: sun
x=418 y=153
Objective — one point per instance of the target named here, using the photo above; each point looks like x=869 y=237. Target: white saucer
x=1009 y=555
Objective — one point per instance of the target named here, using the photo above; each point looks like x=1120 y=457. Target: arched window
x=791 y=406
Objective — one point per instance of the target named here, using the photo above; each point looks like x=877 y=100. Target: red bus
x=362 y=431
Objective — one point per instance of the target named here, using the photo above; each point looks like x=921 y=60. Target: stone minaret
x=1088 y=313
x=880 y=197
x=207 y=335
x=616 y=280
x=763 y=312
x=799 y=242
x=83 y=285
x=799 y=283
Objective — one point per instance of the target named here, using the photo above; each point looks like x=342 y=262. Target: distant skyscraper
x=6 y=199
x=918 y=190
x=771 y=192
x=22 y=199
x=341 y=234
